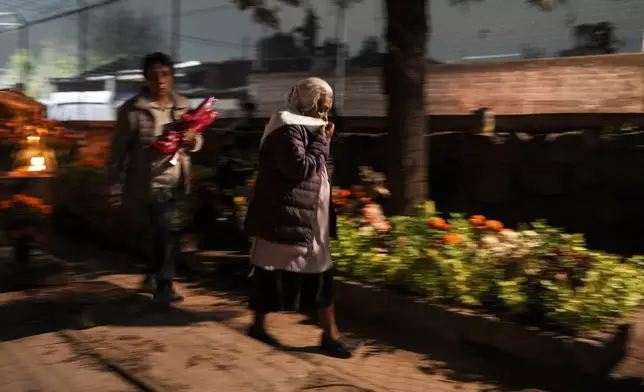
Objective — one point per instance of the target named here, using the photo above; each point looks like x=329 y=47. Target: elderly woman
x=291 y=218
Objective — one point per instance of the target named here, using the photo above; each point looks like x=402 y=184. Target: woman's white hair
x=306 y=94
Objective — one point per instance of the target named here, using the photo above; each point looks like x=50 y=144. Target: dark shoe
x=165 y=293
x=149 y=284
x=260 y=334
x=337 y=348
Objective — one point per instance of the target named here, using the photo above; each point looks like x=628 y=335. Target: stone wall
x=593 y=84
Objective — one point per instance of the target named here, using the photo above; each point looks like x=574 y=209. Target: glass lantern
x=33 y=157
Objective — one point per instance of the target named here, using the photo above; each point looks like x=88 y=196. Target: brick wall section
x=593 y=84
x=363 y=94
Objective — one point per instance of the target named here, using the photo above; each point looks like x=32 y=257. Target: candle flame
x=37 y=164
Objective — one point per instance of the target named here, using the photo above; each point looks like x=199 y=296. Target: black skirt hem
x=287 y=291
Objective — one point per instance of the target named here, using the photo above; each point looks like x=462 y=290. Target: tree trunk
x=404 y=84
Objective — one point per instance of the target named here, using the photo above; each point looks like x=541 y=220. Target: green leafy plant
x=537 y=274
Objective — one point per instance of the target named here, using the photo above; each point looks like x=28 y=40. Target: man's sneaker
x=149 y=284
x=336 y=348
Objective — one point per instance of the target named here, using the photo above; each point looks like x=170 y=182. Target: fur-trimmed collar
x=286 y=117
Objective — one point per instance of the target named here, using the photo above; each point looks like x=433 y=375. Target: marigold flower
x=477 y=220
x=365 y=199
x=6 y=204
x=344 y=193
x=45 y=209
x=339 y=202
x=494 y=225
x=19 y=198
x=436 y=223
x=33 y=202
x=453 y=238
x=447 y=227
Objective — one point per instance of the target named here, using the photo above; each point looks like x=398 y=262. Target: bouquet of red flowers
x=196 y=120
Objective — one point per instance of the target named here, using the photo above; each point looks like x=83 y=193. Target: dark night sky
x=493 y=27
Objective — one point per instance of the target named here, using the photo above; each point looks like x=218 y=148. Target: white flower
x=490 y=240
x=471 y=246
x=367 y=230
x=530 y=233
x=511 y=236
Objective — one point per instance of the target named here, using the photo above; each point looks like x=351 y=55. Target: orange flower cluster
x=453 y=238
x=344 y=193
x=478 y=221
x=341 y=196
x=482 y=223
x=437 y=223
x=30 y=201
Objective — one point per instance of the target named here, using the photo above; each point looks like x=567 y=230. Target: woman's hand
x=328 y=130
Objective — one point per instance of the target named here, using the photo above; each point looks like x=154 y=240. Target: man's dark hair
x=156 y=58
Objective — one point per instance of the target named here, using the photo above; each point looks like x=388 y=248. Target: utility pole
x=175 y=50
x=25 y=70
x=340 y=59
x=83 y=26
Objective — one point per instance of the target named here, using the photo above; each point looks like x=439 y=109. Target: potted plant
x=22 y=217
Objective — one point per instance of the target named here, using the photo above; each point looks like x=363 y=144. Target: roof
x=116 y=65
x=17 y=101
x=239 y=93
x=223 y=75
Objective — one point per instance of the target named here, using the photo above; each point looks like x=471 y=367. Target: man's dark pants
x=161 y=240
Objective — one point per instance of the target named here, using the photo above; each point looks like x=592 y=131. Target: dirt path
x=157 y=348
x=47 y=363
x=199 y=345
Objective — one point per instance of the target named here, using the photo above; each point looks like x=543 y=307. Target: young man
x=144 y=179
